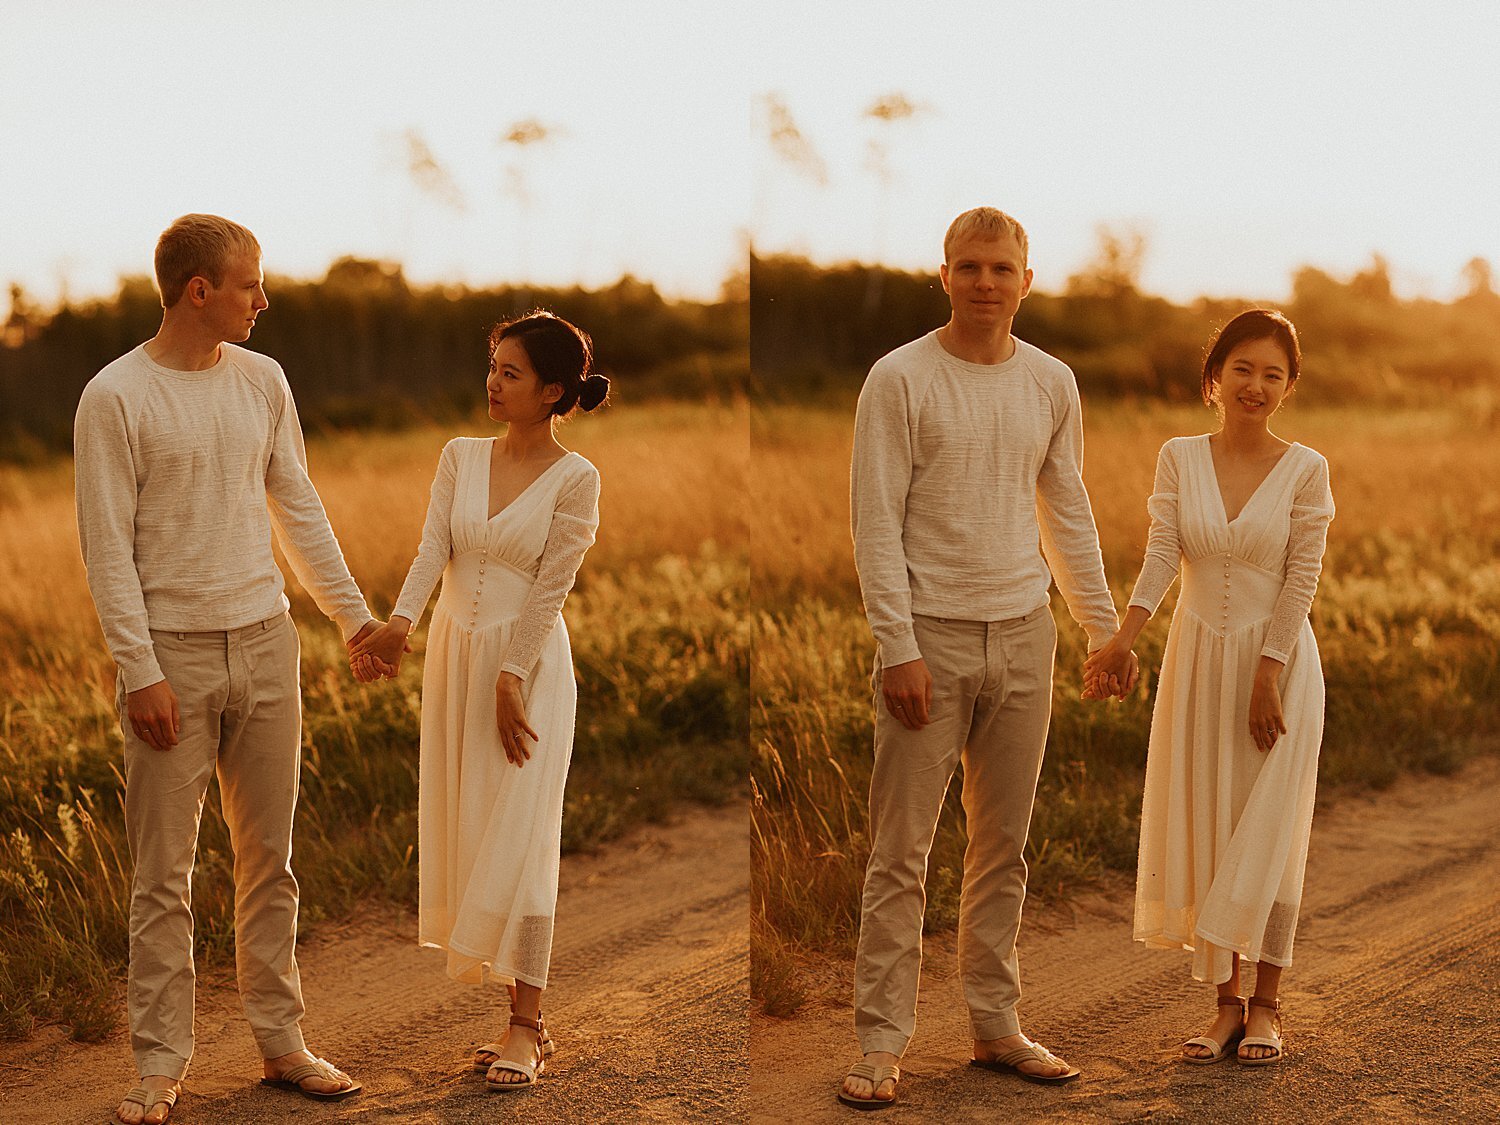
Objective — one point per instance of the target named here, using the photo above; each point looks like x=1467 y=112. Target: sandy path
x=647 y=1006
x=1391 y=1006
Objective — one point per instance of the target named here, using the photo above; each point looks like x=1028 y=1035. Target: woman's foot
x=862 y=1089
x=133 y=1112
x=1263 y=1023
x=519 y=1060
x=1226 y=1030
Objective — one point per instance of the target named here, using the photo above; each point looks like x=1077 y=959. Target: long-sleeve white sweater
x=178 y=475
x=953 y=463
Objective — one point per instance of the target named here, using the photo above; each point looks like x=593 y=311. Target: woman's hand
x=1110 y=671
x=378 y=652
x=510 y=717
x=1266 y=721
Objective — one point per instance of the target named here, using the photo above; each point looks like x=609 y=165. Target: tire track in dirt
x=1390 y=1005
x=647 y=1004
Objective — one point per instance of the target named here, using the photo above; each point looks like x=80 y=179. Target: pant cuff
x=883 y=1041
x=169 y=1063
x=282 y=1043
x=997 y=1026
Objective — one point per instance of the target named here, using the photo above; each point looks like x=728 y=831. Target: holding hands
x=1111 y=671
x=376 y=650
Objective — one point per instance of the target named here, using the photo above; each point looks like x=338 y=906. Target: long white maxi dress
x=490 y=832
x=1224 y=827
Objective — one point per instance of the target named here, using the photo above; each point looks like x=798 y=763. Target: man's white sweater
x=173 y=474
x=953 y=463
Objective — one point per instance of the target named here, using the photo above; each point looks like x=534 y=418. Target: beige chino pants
x=241 y=709
x=991 y=705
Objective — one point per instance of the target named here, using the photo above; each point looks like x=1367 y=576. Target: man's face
x=232 y=306
x=986 y=279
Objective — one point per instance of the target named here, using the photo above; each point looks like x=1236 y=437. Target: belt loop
x=181 y=636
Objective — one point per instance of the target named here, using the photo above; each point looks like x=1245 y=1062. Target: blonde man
x=961 y=440
x=188 y=454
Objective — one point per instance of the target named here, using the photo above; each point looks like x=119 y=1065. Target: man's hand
x=154 y=715
x=376 y=650
x=908 y=692
x=1111 y=671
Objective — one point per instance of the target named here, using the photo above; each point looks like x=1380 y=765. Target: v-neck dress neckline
x=1213 y=474
x=489 y=468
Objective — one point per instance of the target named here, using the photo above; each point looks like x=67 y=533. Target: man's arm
x=1070 y=540
x=302 y=526
x=879 y=480
x=104 y=494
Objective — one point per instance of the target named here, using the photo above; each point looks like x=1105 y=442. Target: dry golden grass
x=661 y=644
x=1407 y=616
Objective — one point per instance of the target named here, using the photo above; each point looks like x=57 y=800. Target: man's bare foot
x=988 y=1050
x=517 y=1045
x=275 y=1068
x=133 y=1114
x=1225 y=1028
x=860 y=1088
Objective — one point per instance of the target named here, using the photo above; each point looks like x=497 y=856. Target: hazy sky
x=288 y=115
x=1241 y=140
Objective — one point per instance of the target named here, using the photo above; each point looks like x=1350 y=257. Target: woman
x=1238 y=722
x=507 y=527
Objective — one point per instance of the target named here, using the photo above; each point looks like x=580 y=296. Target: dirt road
x=647 y=1006
x=1392 y=1006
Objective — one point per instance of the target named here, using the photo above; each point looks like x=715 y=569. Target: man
x=962 y=438
x=180 y=445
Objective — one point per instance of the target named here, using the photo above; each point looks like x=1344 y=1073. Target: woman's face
x=1254 y=380
x=516 y=393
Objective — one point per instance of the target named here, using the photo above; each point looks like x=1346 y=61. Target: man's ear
x=197 y=289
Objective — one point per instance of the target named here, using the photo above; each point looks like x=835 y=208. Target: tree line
x=363 y=347
x=817 y=329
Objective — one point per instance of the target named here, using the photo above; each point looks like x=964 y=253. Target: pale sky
x=1241 y=140
x=287 y=115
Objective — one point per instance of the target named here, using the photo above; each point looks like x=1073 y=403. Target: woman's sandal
x=1218 y=1051
x=874 y=1075
x=1273 y=1041
x=150 y=1099
x=495 y=1049
x=530 y=1072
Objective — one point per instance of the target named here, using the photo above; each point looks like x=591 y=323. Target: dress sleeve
x=436 y=547
x=574 y=520
x=879 y=480
x=1163 y=548
x=1312 y=511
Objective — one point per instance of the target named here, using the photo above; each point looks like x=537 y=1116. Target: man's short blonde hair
x=983 y=222
x=198 y=246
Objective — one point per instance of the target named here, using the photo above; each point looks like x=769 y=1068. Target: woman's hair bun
x=594 y=391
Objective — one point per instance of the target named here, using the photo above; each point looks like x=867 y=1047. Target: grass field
x=1407 y=618
x=660 y=629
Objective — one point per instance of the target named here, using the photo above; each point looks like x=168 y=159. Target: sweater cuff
x=900 y=648
x=141 y=673
x=352 y=623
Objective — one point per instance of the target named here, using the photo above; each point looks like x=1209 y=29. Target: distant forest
x=363 y=347
x=818 y=329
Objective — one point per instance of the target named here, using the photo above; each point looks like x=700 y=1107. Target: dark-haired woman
x=1238 y=721
x=507 y=527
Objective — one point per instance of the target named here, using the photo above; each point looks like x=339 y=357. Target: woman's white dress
x=1224 y=827
x=490 y=832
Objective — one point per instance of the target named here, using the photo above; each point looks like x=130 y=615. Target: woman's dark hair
x=1253 y=324
x=560 y=353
